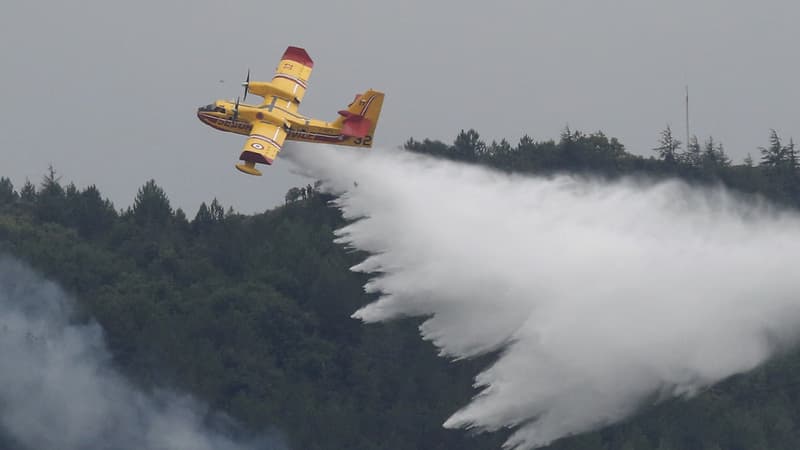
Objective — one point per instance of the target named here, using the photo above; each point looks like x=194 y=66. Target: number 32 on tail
x=276 y=119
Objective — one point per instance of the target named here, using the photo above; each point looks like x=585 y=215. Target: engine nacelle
x=267 y=89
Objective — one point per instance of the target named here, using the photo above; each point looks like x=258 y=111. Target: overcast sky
x=106 y=91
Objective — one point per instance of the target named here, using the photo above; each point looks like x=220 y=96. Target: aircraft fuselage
x=298 y=127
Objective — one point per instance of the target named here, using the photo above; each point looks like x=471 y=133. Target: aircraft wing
x=261 y=147
x=293 y=72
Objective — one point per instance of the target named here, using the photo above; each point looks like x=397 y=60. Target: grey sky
x=106 y=91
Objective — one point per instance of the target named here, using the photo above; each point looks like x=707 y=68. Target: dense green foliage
x=251 y=313
x=248 y=313
x=777 y=176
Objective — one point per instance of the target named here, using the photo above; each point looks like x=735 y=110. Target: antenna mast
x=687 y=117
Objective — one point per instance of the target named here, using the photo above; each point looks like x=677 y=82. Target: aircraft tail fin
x=359 y=120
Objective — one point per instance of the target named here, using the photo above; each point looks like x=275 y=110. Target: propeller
x=246 y=85
x=236 y=110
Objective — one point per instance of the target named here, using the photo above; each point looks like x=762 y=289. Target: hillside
x=251 y=314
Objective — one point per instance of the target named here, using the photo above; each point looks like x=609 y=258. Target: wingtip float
x=275 y=120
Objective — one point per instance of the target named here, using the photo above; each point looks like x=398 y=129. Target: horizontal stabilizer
x=356 y=126
x=357 y=123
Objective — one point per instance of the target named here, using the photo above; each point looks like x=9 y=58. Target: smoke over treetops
x=58 y=389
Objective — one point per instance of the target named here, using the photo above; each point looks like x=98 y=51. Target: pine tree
x=713 y=155
x=773 y=156
x=217 y=211
x=28 y=192
x=151 y=205
x=693 y=156
x=468 y=146
x=95 y=214
x=203 y=217
x=790 y=154
x=7 y=193
x=50 y=202
x=668 y=146
x=524 y=142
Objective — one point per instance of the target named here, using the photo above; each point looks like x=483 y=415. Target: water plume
x=599 y=296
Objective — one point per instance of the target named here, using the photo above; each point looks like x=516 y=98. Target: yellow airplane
x=276 y=119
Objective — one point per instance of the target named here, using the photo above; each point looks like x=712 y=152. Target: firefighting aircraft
x=276 y=119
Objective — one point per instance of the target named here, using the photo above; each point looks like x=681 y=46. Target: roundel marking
x=257 y=146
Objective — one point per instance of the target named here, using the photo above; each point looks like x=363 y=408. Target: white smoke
x=59 y=391
x=601 y=296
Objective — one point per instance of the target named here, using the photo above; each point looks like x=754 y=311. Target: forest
x=251 y=313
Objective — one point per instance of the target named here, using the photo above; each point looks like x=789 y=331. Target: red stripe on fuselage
x=228 y=125
x=293 y=79
x=270 y=141
x=315 y=137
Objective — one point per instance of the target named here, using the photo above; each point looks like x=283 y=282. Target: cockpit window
x=212 y=108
